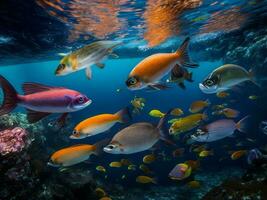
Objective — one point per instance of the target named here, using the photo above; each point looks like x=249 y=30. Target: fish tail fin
x=182 y=51
x=10 y=99
x=124 y=115
x=100 y=145
x=164 y=136
x=242 y=125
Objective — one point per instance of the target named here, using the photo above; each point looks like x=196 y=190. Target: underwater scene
x=133 y=100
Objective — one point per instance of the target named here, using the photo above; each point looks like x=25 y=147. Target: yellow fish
x=152 y=69
x=149 y=158
x=132 y=167
x=101 y=168
x=177 y=112
x=115 y=164
x=99 y=124
x=205 y=153
x=156 y=113
x=145 y=180
x=100 y=192
x=197 y=106
x=253 y=97
x=186 y=123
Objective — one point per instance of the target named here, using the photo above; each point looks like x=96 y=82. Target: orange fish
x=222 y=94
x=197 y=106
x=230 y=113
x=99 y=124
x=75 y=154
x=238 y=154
x=152 y=69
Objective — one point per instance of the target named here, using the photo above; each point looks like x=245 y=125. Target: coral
x=12 y=141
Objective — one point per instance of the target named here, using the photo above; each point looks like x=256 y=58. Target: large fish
x=85 y=57
x=99 y=124
x=224 y=78
x=136 y=138
x=152 y=69
x=41 y=100
x=219 y=129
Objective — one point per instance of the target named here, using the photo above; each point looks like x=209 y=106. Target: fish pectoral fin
x=88 y=72
x=100 y=65
x=113 y=55
x=33 y=116
x=158 y=86
x=181 y=85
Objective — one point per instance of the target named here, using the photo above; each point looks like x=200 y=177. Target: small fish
x=147 y=159
x=178 y=152
x=199 y=148
x=145 y=180
x=186 y=123
x=205 y=153
x=194 y=184
x=198 y=106
x=145 y=169
x=229 y=113
x=101 y=169
x=115 y=164
x=125 y=162
x=224 y=78
x=180 y=171
x=253 y=97
x=75 y=154
x=41 y=100
x=178 y=75
x=218 y=107
x=136 y=138
x=156 y=113
x=99 y=124
x=152 y=69
x=105 y=198
x=85 y=57
x=238 y=154
x=219 y=129
x=177 y=112
x=132 y=167
x=138 y=104
x=254 y=155
x=222 y=94
x=100 y=192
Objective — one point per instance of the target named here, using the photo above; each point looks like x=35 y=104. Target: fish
x=115 y=164
x=194 y=184
x=105 y=198
x=147 y=159
x=145 y=169
x=138 y=104
x=253 y=97
x=227 y=112
x=177 y=112
x=100 y=192
x=99 y=123
x=255 y=155
x=219 y=129
x=219 y=106
x=156 y=113
x=85 y=57
x=186 y=123
x=205 y=153
x=125 y=162
x=145 y=180
x=238 y=154
x=137 y=137
x=178 y=152
x=263 y=126
x=194 y=164
x=41 y=100
x=152 y=69
x=178 y=75
x=180 y=171
x=198 y=106
x=222 y=94
x=132 y=167
x=75 y=154
x=101 y=169
x=224 y=78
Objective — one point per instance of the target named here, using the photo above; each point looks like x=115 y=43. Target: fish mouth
x=205 y=89
x=107 y=149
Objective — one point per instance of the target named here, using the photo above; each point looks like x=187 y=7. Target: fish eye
x=209 y=82
x=74 y=132
x=131 y=81
x=80 y=100
x=111 y=146
x=61 y=66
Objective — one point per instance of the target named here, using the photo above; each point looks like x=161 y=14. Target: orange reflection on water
x=162 y=18
x=225 y=20
x=87 y=17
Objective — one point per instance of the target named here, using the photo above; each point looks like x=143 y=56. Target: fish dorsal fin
x=34 y=116
x=30 y=88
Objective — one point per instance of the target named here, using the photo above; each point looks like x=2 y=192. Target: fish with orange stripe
x=99 y=124
x=152 y=69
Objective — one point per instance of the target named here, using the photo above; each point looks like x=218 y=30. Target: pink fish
x=41 y=100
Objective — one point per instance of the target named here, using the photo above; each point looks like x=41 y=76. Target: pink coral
x=13 y=140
